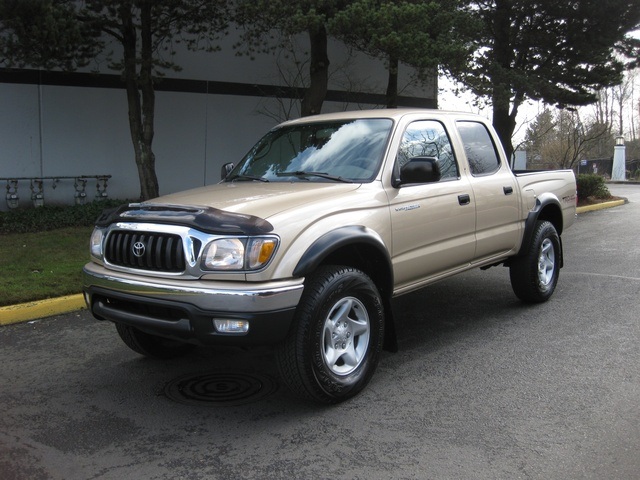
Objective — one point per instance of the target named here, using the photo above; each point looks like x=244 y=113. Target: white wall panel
x=19 y=131
x=86 y=132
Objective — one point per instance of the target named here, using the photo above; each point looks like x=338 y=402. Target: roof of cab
x=392 y=113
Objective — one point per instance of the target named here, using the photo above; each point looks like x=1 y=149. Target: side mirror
x=226 y=170
x=419 y=170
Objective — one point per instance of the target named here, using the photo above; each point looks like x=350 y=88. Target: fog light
x=235 y=327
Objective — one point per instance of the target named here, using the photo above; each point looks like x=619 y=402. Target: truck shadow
x=455 y=307
x=471 y=305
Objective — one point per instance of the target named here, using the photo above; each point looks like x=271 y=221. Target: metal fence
x=37 y=186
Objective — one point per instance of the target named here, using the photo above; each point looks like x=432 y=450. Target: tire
x=535 y=275
x=152 y=345
x=334 y=346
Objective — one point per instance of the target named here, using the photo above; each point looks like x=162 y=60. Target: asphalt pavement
x=482 y=387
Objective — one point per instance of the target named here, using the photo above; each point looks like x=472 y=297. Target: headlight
x=224 y=254
x=238 y=253
x=95 y=244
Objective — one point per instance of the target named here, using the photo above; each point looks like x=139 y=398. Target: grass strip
x=41 y=265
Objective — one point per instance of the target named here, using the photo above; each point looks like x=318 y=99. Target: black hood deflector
x=206 y=219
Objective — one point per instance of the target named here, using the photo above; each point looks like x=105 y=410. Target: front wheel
x=334 y=345
x=535 y=275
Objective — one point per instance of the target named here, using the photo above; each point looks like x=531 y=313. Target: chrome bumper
x=185 y=310
x=205 y=295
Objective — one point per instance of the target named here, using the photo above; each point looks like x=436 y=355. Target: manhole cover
x=220 y=389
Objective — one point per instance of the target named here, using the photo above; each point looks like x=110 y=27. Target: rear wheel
x=535 y=275
x=334 y=346
x=151 y=345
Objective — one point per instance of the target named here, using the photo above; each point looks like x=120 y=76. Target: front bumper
x=185 y=310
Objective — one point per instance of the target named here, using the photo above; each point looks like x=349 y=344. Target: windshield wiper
x=303 y=174
x=247 y=177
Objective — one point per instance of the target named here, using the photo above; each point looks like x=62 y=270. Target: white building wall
x=51 y=130
x=19 y=130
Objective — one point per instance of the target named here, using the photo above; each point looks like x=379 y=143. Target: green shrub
x=51 y=217
x=590 y=185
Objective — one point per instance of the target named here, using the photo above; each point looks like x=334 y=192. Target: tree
x=616 y=110
x=557 y=52
x=260 y=18
x=561 y=139
x=45 y=34
x=67 y=34
x=422 y=34
x=539 y=134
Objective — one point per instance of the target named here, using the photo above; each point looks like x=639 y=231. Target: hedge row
x=51 y=217
x=592 y=186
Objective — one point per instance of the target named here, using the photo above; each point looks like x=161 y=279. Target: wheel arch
x=547 y=208
x=362 y=248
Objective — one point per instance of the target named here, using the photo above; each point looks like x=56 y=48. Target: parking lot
x=482 y=387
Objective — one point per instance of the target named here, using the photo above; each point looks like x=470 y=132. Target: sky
x=455 y=98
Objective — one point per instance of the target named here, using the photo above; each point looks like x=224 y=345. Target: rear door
x=494 y=187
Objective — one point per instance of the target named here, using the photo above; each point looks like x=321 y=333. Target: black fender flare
x=334 y=240
x=543 y=201
x=346 y=236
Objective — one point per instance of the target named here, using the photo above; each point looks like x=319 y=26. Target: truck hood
x=258 y=199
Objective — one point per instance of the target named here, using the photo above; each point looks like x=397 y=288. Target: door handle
x=507 y=190
x=464 y=199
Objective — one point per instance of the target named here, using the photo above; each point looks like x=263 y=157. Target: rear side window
x=479 y=147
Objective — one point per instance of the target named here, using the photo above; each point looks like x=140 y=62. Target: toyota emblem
x=138 y=249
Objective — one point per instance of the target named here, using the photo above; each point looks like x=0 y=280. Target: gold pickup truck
x=306 y=240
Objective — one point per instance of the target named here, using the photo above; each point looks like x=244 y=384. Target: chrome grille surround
x=169 y=250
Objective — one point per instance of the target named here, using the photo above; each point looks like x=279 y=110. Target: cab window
x=428 y=138
x=479 y=147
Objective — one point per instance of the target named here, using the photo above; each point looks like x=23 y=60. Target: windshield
x=348 y=151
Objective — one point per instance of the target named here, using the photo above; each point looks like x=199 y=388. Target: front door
x=433 y=225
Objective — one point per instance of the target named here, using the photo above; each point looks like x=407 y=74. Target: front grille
x=145 y=250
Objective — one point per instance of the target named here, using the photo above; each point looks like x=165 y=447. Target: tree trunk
x=140 y=97
x=151 y=188
x=392 y=84
x=504 y=121
x=319 y=73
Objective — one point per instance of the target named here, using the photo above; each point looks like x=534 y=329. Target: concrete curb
x=25 y=312
x=56 y=306
x=601 y=206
